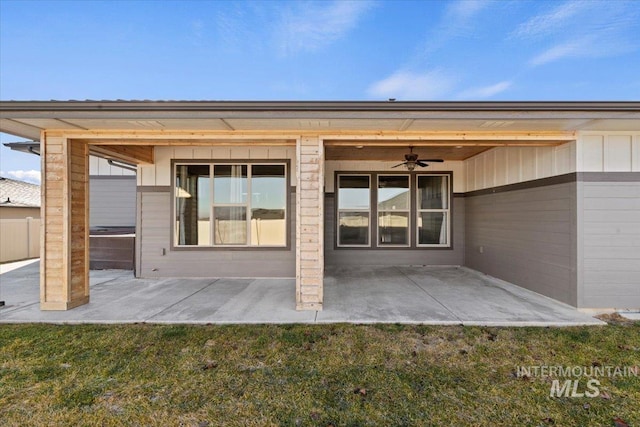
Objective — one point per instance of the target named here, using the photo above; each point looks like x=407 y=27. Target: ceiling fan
x=411 y=160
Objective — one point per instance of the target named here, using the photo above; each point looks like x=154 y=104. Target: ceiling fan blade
x=421 y=164
x=400 y=164
x=431 y=160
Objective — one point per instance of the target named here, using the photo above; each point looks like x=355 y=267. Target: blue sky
x=327 y=50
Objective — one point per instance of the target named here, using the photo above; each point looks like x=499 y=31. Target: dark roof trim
x=260 y=106
x=32 y=147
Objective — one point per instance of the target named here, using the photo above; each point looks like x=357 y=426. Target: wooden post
x=309 y=223
x=64 y=259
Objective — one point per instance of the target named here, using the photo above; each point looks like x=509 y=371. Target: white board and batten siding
x=159 y=174
x=99 y=167
x=608 y=152
x=511 y=165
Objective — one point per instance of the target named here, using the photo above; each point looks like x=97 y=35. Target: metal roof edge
x=363 y=106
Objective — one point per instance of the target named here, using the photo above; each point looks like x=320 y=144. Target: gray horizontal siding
x=112 y=201
x=527 y=237
x=368 y=256
x=155 y=231
x=610 y=243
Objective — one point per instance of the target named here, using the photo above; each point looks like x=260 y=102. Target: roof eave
x=311 y=106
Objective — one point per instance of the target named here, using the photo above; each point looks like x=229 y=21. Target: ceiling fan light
x=411 y=166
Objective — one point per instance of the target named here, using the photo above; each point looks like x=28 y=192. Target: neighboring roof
x=29 y=118
x=19 y=194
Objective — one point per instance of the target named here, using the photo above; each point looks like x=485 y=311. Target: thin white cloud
x=458 y=20
x=550 y=22
x=197 y=30
x=32 y=176
x=597 y=46
x=405 y=85
x=582 y=29
x=464 y=10
x=309 y=26
x=486 y=91
x=560 y=51
x=232 y=30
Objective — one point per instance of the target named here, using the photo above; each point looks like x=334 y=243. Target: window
x=224 y=205
x=192 y=204
x=393 y=210
x=354 y=206
x=403 y=217
x=433 y=210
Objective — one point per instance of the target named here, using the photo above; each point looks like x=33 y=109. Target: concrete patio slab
x=369 y=294
x=478 y=299
x=364 y=294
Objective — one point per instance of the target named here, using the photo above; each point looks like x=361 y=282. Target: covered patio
x=540 y=194
x=363 y=294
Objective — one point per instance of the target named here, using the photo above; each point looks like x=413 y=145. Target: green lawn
x=311 y=375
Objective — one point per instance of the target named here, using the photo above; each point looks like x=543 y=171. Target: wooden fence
x=19 y=239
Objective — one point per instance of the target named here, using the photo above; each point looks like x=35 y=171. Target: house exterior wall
x=457 y=167
x=608 y=152
x=609 y=219
x=510 y=165
x=159 y=173
x=609 y=240
x=112 y=201
x=100 y=166
x=526 y=236
x=578 y=241
x=157 y=258
x=400 y=256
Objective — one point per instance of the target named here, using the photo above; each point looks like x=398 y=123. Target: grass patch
x=315 y=375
